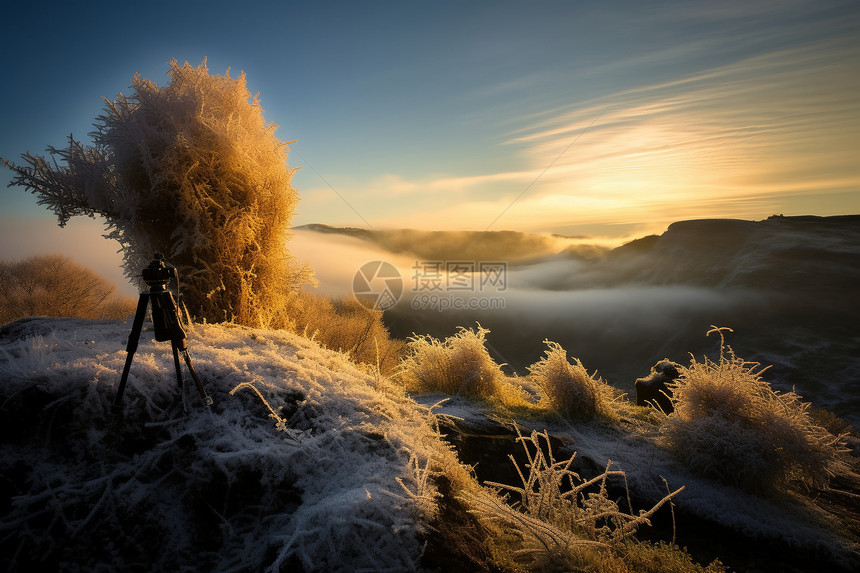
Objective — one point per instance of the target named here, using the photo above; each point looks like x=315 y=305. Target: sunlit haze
x=607 y=119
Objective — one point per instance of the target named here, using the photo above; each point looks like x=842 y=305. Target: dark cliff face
x=803 y=277
x=781 y=253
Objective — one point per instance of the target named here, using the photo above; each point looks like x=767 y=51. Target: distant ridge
x=804 y=253
x=450 y=245
x=847 y=220
x=711 y=240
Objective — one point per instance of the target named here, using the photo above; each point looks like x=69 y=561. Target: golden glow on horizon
x=769 y=125
x=745 y=140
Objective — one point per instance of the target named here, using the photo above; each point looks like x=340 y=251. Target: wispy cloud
x=783 y=122
x=749 y=109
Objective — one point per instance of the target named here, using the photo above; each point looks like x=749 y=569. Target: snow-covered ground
x=305 y=462
x=221 y=489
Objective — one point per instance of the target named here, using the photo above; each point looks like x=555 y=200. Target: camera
x=159 y=272
x=166 y=323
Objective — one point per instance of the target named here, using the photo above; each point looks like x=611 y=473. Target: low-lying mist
x=783 y=285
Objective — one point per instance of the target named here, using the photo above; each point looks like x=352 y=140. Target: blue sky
x=610 y=118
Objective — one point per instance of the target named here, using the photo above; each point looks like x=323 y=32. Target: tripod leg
x=206 y=398
x=179 y=378
x=179 y=340
x=131 y=348
x=176 y=363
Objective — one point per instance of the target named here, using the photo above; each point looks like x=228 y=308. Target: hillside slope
x=231 y=488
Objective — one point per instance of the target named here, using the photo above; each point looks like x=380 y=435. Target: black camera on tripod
x=165 y=320
x=159 y=273
x=165 y=315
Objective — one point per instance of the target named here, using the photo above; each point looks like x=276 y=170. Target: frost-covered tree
x=53 y=285
x=191 y=170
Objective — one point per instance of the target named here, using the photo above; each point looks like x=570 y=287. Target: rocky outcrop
x=653 y=390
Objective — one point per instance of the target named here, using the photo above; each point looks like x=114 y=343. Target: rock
x=653 y=390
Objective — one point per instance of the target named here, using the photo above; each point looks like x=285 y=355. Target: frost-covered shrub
x=568 y=388
x=52 y=285
x=732 y=425
x=458 y=365
x=191 y=170
x=346 y=326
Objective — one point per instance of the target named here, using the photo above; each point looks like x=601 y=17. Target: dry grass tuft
x=564 y=523
x=347 y=326
x=568 y=388
x=459 y=365
x=53 y=285
x=731 y=425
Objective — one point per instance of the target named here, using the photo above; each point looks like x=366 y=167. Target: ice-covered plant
x=568 y=388
x=192 y=170
x=347 y=326
x=460 y=364
x=730 y=424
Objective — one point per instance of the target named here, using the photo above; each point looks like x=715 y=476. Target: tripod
x=167 y=327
